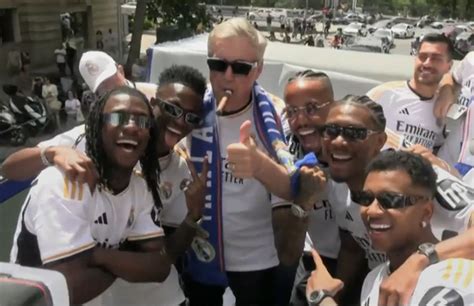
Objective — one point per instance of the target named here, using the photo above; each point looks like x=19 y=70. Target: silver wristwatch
x=428 y=249
x=317 y=296
x=299 y=212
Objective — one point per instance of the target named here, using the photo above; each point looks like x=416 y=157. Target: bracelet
x=45 y=160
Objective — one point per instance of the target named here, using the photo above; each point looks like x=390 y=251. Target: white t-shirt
x=247 y=207
x=408 y=114
x=449 y=282
x=72 y=106
x=450 y=216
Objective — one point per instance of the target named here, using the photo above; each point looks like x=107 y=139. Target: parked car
x=464 y=42
x=403 y=30
x=261 y=14
x=437 y=25
x=385 y=33
x=355 y=29
x=352 y=17
x=367 y=44
x=449 y=21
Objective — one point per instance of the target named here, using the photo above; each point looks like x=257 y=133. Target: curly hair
x=417 y=167
x=95 y=150
x=186 y=75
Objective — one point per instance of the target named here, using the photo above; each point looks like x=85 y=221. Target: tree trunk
x=135 y=44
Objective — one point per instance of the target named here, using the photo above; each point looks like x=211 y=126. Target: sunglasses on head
x=387 y=200
x=116 y=119
x=309 y=109
x=238 y=67
x=177 y=112
x=350 y=133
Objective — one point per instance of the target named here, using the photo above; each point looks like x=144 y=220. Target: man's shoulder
x=377 y=92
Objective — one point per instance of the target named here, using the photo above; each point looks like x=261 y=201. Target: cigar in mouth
x=223 y=102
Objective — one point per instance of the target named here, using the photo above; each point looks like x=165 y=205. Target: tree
x=135 y=44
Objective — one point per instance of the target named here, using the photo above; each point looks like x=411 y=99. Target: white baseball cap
x=95 y=67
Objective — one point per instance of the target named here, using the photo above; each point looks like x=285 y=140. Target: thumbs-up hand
x=244 y=158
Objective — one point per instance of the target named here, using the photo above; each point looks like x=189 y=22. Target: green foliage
x=183 y=14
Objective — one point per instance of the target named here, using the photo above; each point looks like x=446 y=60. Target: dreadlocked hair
x=309 y=74
x=95 y=150
x=186 y=75
x=375 y=109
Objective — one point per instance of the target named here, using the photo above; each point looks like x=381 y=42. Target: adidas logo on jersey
x=348 y=216
x=102 y=219
x=404 y=111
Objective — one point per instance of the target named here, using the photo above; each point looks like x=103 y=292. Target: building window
x=9 y=31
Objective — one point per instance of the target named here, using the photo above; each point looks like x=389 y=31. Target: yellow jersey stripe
x=73 y=190
x=81 y=191
x=470 y=274
x=447 y=270
x=68 y=253
x=66 y=187
x=459 y=272
x=146 y=236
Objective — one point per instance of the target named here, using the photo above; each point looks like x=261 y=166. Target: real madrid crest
x=204 y=251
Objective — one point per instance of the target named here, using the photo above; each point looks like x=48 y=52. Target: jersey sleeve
x=67 y=139
x=59 y=216
x=449 y=282
x=145 y=226
x=453 y=205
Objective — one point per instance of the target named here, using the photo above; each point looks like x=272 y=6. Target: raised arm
x=290 y=222
x=447 y=93
x=29 y=162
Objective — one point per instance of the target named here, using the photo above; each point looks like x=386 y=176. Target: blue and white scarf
x=205 y=141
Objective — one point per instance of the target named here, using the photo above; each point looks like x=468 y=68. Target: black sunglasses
x=387 y=200
x=350 y=133
x=309 y=109
x=177 y=112
x=116 y=119
x=238 y=67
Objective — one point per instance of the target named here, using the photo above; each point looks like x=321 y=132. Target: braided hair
x=95 y=150
x=375 y=109
x=309 y=74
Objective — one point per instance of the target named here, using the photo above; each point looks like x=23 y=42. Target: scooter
x=30 y=113
x=10 y=132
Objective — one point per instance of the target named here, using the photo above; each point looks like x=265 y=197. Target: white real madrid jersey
x=449 y=282
x=453 y=207
x=408 y=114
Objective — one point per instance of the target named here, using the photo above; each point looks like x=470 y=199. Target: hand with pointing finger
x=321 y=279
x=245 y=159
x=195 y=189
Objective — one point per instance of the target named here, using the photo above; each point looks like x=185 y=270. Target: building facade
x=40 y=26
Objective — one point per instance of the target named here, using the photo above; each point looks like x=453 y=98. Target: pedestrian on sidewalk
x=60 y=54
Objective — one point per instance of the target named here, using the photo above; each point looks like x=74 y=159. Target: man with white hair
x=240 y=251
